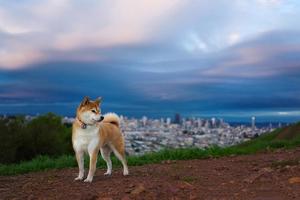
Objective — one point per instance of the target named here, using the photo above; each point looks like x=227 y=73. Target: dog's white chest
x=86 y=139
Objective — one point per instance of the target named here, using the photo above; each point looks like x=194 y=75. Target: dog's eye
x=94 y=111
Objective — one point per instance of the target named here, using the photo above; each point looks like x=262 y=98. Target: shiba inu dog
x=92 y=132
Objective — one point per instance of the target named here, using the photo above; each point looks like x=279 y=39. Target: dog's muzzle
x=100 y=119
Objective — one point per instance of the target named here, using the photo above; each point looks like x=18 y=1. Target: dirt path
x=263 y=176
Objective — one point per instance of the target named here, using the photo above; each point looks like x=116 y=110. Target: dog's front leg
x=80 y=162
x=93 y=162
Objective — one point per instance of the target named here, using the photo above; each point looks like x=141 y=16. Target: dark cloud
x=202 y=58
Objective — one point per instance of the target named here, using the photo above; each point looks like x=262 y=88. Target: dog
x=92 y=132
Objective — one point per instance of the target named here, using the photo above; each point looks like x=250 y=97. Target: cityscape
x=146 y=135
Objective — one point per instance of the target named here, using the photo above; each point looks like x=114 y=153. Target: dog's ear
x=98 y=100
x=85 y=101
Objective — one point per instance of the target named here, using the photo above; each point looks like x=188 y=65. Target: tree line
x=22 y=139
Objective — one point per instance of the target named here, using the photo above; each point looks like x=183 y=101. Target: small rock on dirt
x=185 y=185
x=138 y=189
x=255 y=176
x=294 y=180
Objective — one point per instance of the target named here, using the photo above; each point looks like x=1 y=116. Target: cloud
x=269 y=2
x=152 y=55
x=270 y=54
x=234 y=38
x=64 y=26
x=42 y=30
x=194 y=43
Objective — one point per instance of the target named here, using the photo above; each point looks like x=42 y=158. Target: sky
x=230 y=59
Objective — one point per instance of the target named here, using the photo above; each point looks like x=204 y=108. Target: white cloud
x=269 y=2
x=10 y=25
x=234 y=38
x=284 y=113
x=193 y=43
x=65 y=25
x=36 y=28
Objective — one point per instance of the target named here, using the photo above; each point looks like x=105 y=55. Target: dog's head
x=89 y=112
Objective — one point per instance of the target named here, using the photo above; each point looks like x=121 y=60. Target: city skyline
x=231 y=60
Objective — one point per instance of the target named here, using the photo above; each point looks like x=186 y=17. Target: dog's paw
x=88 y=180
x=107 y=173
x=125 y=173
x=78 y=178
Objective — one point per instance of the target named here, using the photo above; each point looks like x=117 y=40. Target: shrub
x=44 y=135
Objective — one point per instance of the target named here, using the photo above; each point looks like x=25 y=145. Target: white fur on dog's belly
x=86 y=139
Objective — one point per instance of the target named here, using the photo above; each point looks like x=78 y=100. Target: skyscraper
x=253 y=122
x=199 y=123
x=168 y=121
x=144 y=120
x=213 y=122
x=177 y=119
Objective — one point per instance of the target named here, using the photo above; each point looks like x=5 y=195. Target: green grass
x=266 y=142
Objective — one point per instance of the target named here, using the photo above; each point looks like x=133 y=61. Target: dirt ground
x=265 y=176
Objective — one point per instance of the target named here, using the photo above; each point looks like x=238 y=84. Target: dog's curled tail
x=112 y=118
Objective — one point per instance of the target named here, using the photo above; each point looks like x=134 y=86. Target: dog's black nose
x=101 y=118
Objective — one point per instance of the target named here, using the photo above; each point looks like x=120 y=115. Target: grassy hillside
x=287 y=137
x=289 y=133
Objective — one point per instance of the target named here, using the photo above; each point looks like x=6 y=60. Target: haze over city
x=229 y=59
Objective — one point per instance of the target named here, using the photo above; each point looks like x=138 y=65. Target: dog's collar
x=82 y=124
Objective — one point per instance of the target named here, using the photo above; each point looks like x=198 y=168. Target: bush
x=44 y=135
x=9 y=135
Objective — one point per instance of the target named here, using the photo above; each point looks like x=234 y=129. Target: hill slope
x=289 y=132
x=269 y=175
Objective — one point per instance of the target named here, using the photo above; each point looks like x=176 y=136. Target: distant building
x=253 y=122
x=199 y=123
x=213 y=122
x=144 y=120
x=207 y=124
x=162 y=121
x=177 y=119
x=270 y=126
x=221 y=122
x=168 y=121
